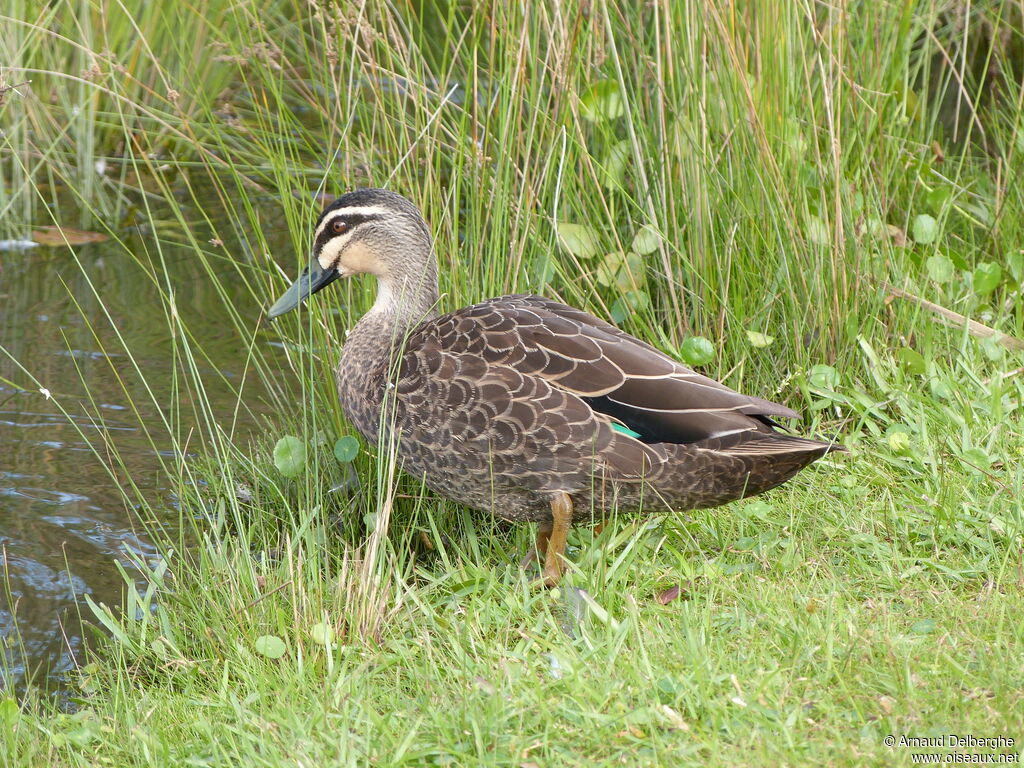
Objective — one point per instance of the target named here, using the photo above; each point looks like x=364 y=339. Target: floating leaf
x=646 y=240
x=52 y=235
x=823 y=376
x=697 y=350
x=987 y=277
x=346 y=449
x=613 y=167
x=578 y=239
x=925 y=229
x=759 y=340
x=940 y=268
x=289 y=456
x=912 y=360
x=270 y=646
x=322 y=634
x=628 y=304
x=603 y=101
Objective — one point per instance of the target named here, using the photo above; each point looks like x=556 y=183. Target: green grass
x=791 y=159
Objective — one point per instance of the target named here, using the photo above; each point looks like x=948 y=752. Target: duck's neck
x=371 y=345
x=404 y=301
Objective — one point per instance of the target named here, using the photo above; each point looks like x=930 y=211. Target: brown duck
x=523 y=407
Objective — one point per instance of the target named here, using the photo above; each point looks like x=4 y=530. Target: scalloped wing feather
x=536 y=386
x=616 y=373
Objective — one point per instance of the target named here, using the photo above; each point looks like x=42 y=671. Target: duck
x=526 y=408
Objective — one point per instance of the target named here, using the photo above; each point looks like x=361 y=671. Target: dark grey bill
x=313 y=278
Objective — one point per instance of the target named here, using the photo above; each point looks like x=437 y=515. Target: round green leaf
x=823 y=376
x=697 y=350
x=322 y=634
x=759 y=340
x=578 y=239
x=270 y=646
x=925 y=229
x=603 y=101
x=346 y=449
x=646 y=240
x=940 y=268
x=986 y=278
x=289 y=456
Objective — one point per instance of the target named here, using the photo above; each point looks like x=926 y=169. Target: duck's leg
x=543 y=534
x=557 y=531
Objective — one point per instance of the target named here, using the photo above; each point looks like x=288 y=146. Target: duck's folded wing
x=613 y=372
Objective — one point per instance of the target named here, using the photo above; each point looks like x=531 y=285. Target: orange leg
x=543 y=534
x=557 y=531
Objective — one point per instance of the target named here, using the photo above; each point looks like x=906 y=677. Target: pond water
x=64 y=523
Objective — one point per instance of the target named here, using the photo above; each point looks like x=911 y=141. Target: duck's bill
x=313 y=278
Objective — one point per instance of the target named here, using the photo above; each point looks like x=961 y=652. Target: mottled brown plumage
x=525 y=408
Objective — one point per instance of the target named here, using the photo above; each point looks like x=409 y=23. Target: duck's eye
x=339 y=226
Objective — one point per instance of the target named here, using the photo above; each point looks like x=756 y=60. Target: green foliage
x=986 y=278
x=602 y=101
x=290 y=456
x=697 y=350
x=346 y=449
x=693 y=171
x=926 y=229
x=271 y=646
x=940 y=268
x=578 y=239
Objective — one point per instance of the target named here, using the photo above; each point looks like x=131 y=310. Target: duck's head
x=369 y=231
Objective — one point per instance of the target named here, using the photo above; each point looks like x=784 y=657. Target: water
x=63 y=522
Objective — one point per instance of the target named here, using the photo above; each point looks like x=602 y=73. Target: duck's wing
x=469 y=413
x=612 y=372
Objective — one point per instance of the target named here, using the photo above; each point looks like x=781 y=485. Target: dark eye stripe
x=353 y=220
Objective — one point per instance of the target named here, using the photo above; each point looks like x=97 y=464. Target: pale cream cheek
x=357 y=259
